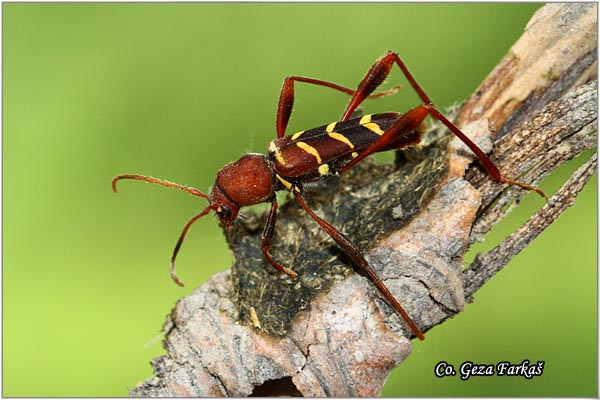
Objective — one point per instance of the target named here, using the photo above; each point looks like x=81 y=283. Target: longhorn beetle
x=316 y=154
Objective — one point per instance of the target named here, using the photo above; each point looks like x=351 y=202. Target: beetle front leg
x=267 y=236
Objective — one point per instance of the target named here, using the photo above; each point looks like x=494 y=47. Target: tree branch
x=563 y=130
x=330 y=333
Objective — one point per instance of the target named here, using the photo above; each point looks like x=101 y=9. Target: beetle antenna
x=180 y=241
x=190 y=190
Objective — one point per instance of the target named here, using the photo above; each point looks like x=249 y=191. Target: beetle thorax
x=247 y=181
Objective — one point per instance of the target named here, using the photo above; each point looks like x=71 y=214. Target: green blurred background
x=178 y=90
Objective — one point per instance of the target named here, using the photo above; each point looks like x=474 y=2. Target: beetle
x=318 y=153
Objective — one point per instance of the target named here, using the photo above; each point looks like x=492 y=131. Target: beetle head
x=225 y=209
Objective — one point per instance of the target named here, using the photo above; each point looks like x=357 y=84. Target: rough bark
x=330 y=333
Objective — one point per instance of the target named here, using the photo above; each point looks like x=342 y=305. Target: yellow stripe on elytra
x=310 y=150
x=330 y=127
x=341 y=138
x=297 y=135
x=373 y=127
x=365 y=119
x=276 y=152
x=279 y=157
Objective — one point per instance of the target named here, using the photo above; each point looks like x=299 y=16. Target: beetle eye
x=224 y=211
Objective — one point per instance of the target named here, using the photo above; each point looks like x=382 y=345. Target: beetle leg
x=286 y=98
x=267 y=236
x=374 y=77
x=489 y=166
x=358 y=258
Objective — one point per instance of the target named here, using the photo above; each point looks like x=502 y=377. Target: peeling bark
x=340 y=337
